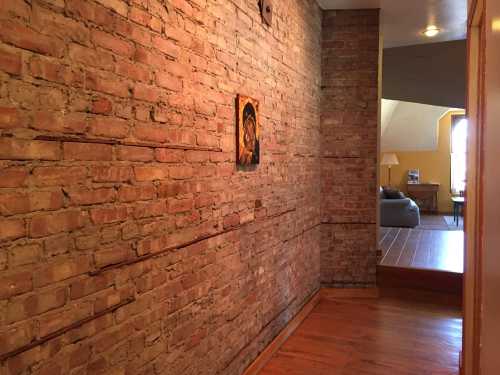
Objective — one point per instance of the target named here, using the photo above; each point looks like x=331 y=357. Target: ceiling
x=410 y=126
x=404 y=20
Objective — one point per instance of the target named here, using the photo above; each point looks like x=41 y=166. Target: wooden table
x=458 y=208
x=425 y=196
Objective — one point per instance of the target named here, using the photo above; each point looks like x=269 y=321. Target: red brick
x=167 y=155
x=231 y=220
x=140 y=16
x=132 y=71
x=111 y=127
x=118 y=6
x=150 y=57
x=168 y=81
x=14 y=8
x=84 y=196
x=134 y=153
x=128 y=193
x=10 y=118
x=111 y=173
x=79 y=356
x=61 y=270
x=66 y=221
x=150 y=132
x=111 y=214
x=108 y=84
x=59 y=122
x=90 y=11
x=177 y=69
x=147 y=93
x=87 y=151
x=181 y=172
x=14 y=284
x=112 y=43
x=36 y=304
x=150 y=173
x=24 y=254
x=138 y=34
x=10 y=62
x=89 y=285
x=91 y=57
x=18 y=149
x=19 y=203
x=114 y=255
x=160 y=114
x=26 y=38
x=165 y=46
x=180 y=205
x=11 y=229
x=150 y=209
x=55 y=72
x=13 y=177
x=197 y=156
x=102 y=106
x=57 y=320
x=15 y=337
x=59 y=176
x=205 y=199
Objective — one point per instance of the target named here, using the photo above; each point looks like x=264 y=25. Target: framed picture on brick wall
x=248 y=130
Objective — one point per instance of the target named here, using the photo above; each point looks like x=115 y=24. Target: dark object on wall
x=266 y=9
x=247 y=117
x=431 y=74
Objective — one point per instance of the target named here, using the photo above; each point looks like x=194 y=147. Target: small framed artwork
x=413 y=176
x=248 y=130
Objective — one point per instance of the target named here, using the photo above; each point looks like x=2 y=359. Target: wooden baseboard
x=322 y=294
x=274 y=346
x=336 y=293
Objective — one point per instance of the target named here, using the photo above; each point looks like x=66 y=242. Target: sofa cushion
x=391 y=193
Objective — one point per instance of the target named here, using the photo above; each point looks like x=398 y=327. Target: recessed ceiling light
x=431 y=31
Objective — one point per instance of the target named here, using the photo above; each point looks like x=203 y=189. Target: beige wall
x=434 y=165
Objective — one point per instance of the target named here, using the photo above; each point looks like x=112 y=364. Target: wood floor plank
x=372 y=337
x=422 y=256
x=394 y=252
x=411 y=248
x=388 y=240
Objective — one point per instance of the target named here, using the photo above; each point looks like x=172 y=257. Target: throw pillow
x=391 y=193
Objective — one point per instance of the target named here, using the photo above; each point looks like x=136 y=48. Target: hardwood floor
x=426 y=249
x=372 y=337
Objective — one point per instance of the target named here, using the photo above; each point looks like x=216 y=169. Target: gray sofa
x=398 y=212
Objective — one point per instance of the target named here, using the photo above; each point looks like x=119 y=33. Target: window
x=458 y=154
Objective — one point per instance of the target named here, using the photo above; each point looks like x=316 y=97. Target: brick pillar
x=349 y=118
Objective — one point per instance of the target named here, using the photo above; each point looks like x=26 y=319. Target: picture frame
x=413 y=176
x=248 y=130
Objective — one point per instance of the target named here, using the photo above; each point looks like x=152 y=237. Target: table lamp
x=389 y=159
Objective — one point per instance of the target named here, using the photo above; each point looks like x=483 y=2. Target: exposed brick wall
x=129 y=241
x=349 y=117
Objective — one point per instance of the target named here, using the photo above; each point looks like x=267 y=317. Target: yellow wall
x=434 y=166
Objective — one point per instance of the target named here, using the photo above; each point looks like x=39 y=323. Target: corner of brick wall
x=349 y=129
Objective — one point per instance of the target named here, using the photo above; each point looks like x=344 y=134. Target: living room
x=423 y=158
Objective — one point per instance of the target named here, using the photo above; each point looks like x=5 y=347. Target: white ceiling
x=404 y=20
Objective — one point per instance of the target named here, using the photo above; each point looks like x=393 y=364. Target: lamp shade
x=389 y=159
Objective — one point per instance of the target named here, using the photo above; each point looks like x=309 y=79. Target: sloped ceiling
x=410 y=126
